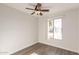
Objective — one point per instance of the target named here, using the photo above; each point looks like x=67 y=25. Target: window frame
x=53 y=29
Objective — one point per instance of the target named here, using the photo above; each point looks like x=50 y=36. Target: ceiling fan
x=38 y=10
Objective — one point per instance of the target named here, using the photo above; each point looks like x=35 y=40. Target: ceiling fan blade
x=32 y=13
x=38 y=6
x=45 y=10
x=29 y=8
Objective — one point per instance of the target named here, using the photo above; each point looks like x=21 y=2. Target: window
x=55 y=29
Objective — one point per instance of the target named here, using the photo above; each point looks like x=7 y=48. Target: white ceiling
x=53 y=7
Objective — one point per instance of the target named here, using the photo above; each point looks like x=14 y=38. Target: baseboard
x=23 y=48
x=44 y=44
x=57 y=47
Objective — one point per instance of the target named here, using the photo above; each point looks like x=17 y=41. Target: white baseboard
x=57 y=46
x=23 y=48
x=42 y=43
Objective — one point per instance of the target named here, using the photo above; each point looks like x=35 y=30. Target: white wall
x=17 y=30
x=78 y=32
x=70 y=25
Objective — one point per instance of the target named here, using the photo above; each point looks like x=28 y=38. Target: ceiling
x=53 y=7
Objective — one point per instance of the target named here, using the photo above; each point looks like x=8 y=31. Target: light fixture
x=37 y=12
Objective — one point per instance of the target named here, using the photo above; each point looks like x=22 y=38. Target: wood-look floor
x=42 y=49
